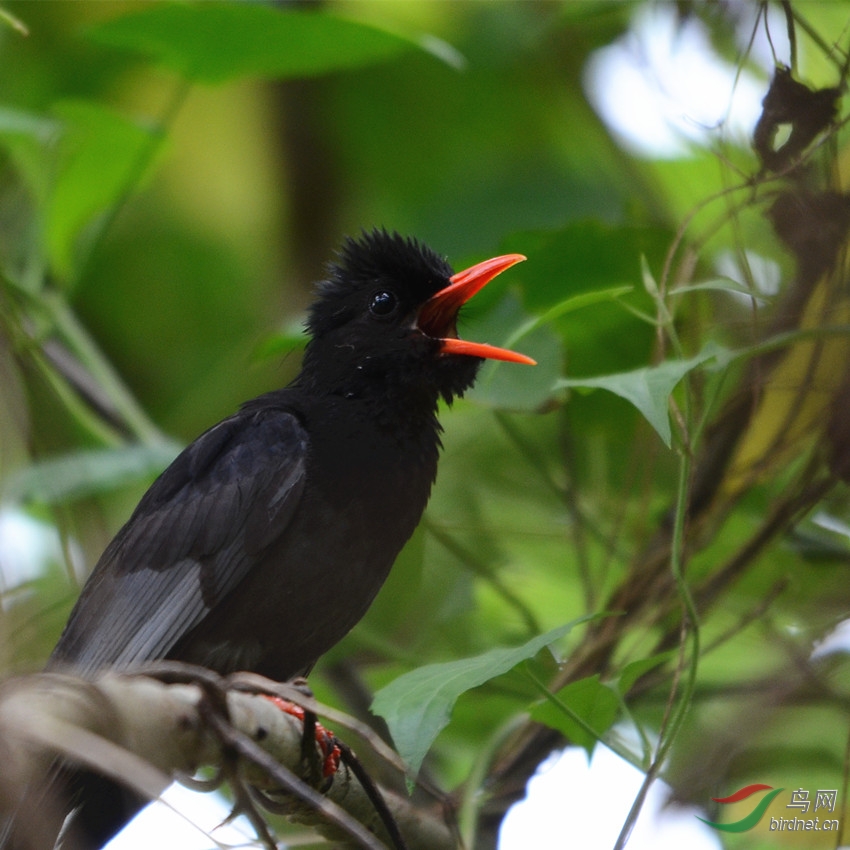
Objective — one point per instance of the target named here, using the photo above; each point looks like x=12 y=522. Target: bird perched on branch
x=269 y=536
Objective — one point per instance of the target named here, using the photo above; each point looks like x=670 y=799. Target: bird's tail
x=73 y=810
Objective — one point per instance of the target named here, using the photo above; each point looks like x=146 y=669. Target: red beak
x=438 y=315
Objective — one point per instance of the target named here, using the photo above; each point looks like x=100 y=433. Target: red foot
x=324 y=738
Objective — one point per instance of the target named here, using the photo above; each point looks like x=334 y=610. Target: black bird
x=269 y=536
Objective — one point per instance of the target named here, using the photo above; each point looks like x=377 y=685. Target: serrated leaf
x=418 y=704
x=649 y=388
x=583 y=711
x=216 y=42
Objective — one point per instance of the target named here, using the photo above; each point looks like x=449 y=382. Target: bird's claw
x=324 y=738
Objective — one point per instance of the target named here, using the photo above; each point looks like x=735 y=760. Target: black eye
x=383 y=303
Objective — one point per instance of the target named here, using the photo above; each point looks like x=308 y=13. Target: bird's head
x=386 y=317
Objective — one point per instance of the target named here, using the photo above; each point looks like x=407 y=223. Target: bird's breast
x=364 y=494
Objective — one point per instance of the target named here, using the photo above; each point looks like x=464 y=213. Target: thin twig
x=252 y=752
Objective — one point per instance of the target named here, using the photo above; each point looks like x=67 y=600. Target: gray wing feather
x=193 y=537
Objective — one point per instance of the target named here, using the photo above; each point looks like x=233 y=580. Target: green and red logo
x=754 y=816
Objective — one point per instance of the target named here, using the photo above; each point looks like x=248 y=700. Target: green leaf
x=632 y=672
x=649 y=282
x=216 y=42
x=99 y=157
x=85 y=473
x=418 y=704
x=279 y=345
x=16 y=122
x=567 y=305
x=583 y=711
x=509 y=386
x=721 y=284
x=583 y=257
x=27 y=138
x=649 y=388
x=13 y=22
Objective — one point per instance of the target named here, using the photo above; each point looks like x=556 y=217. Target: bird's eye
x=383 y=303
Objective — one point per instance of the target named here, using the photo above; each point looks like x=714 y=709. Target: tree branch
x=145 y=733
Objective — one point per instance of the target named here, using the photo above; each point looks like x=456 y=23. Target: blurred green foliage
x=173 y=176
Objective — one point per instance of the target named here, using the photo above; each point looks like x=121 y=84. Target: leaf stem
x=677 y=709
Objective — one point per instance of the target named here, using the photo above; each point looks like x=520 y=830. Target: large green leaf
x=418 y=704
x=649 y=388
x=583 y=711
x=216 y=42
x=583 y=257
x=100 y=155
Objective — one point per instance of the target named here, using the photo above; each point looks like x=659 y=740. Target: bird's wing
x=194 y=535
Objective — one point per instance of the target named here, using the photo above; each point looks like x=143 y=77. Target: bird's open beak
x=438 y=316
